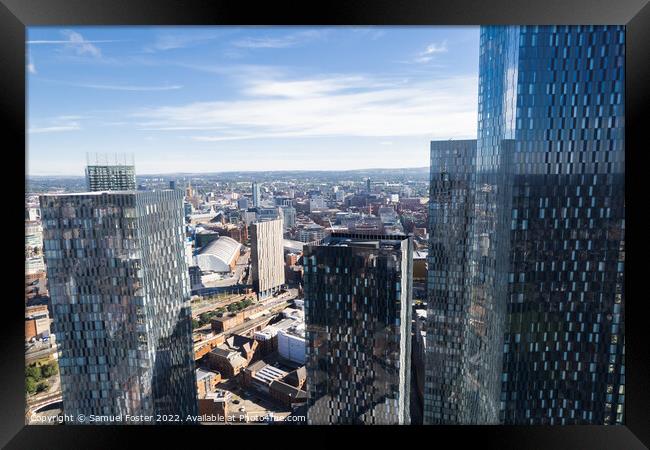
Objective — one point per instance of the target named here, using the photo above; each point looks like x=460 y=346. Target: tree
x=30 y=385
x=42 y=386
x=195 y=323
x=204 y=318
x=49 y=370
x=34 y=372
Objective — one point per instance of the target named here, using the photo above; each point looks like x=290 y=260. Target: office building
x=110 y=177
x=288 y=216
x=267 y=256
x=358 y=325
x=544 y=329
x=120 y=292
x=311 y=232
x=257 y=195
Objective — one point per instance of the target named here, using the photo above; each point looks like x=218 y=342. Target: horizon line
x=239 y=171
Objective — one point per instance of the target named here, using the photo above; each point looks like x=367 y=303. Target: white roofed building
x=219 y=255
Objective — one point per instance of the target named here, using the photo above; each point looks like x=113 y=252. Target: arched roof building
x=219 y=255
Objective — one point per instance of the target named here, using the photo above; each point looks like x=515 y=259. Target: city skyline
x=232 y=96
x=488 y=290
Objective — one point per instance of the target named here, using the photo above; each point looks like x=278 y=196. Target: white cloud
x=58 y=124
x=290 y=40
x=31 y=68
x=117 y=87
x=432 y=49
x=166 y=42
x=327 y=106
x=75 y=42
x=55 y=128
x=80 y=45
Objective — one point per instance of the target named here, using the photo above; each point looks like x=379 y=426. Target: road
x=33 y=356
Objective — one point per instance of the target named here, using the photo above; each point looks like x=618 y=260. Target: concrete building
x=119 y=289
x=312 y=232
x=288 y=216
x=292 y=344
x=34 y=265
x=316 y=204
x=206 y=382
x=267 y=256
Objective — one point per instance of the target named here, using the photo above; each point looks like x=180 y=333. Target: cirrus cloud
x=327 y=106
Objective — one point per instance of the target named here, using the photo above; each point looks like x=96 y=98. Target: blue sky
x=209 y=99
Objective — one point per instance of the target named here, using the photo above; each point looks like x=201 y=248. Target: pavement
x=35 y=353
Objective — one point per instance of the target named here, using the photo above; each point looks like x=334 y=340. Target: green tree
x=42 y=386
x=204 y=318
x=48 y=370
x=34 y=372
x=195 y=323
x=30 y=385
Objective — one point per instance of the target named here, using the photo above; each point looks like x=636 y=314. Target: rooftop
x=364 y=240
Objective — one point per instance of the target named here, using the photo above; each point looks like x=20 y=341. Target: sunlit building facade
x=119 y=287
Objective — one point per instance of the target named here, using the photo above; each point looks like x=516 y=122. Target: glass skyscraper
x=544 y=291
x=119 y=287
x=564 y=335
x=257 y=194
x=450 y=215
x=358 y=292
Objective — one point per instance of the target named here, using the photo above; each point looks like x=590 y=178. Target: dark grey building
x=564 y=338
x=119 y=287
x=544 y=333
x=106 y=177
x=358 y=323
x=446 y=355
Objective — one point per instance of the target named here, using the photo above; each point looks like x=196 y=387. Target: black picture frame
x=16 y=15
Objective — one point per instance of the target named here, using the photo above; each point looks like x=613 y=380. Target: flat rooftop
x=364 y=240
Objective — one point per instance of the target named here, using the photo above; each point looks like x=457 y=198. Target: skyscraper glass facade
x=358 y=322
x=110 y=178
x=450 y=214
x=564 y=336
x=120 y=296
x=544 y=327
